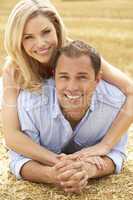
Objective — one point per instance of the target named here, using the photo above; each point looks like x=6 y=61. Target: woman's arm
x=125 y=116
x=14 y=138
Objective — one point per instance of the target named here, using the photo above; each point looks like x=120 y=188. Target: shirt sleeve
x=26 y=119
x=28 y=127
x=118 y=153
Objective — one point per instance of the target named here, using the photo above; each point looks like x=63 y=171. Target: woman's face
x=40 y=39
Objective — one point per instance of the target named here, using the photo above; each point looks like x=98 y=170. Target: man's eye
x=82 y=77
x=63 y=77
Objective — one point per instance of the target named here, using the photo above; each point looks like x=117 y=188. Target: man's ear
x=98 y=77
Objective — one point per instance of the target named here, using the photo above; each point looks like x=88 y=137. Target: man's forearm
x=36 y=172
x=68 y=181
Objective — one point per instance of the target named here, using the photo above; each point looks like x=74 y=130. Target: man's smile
x=73 y=97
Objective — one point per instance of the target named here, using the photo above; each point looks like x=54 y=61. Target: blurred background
x=105 y=24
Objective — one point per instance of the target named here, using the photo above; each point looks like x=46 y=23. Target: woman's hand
x=99 y=149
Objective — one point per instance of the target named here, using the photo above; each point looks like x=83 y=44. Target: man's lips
x=73 y=97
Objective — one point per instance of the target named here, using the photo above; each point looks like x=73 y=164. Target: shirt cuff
x=15 y=166
x=118 y=159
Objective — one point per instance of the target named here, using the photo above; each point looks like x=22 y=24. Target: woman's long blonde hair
x=28 y=73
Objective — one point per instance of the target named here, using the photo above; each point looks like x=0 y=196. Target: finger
x=83 y=183
x=96 y=160
x=66 y=175
x=79 y=175
x=76 y=155
x=100 y=163
x=61 y=156
x=69 y=184
x=72 y=156
x=74 y=185
x=70 y=166
x=62 y=164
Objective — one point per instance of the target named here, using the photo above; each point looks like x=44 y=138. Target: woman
x=30 y=43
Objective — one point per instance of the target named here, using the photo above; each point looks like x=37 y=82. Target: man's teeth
x=73 y=97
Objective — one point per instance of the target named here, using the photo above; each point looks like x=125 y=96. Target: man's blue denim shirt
x=42 y=120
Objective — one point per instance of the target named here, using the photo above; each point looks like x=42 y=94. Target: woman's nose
x=40 y=41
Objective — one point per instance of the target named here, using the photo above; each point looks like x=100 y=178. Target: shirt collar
x=56 y=108
x=93 y=102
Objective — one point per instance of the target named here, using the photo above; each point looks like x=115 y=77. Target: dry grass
x=115 y=187
x=108 y=25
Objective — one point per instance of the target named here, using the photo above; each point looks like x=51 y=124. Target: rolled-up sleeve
x=118 y=155
x=16 y=163
x=28 y=127
x=118 y=159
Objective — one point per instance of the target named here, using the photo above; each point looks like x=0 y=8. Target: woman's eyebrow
x=43 y=29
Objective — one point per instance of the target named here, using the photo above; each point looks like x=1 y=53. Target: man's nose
x=72 y=85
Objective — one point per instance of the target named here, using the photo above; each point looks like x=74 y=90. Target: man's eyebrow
x=63 y=72
x=77 y=73
x=82 y=73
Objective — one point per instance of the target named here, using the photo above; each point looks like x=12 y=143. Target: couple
x=80 y=116
x=74 y=116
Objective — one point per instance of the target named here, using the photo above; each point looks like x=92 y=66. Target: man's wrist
x=51 y=175
x=90 y=169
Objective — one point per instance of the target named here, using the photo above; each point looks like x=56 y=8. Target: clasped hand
x=73 y=174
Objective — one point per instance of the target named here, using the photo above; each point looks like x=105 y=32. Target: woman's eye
x=28 y=37
x=46 y=31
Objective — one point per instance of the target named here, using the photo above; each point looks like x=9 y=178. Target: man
x=74 y=116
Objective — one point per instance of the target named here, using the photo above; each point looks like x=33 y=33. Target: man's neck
x=73 y=122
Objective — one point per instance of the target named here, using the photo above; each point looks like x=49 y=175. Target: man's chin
x=73 y=115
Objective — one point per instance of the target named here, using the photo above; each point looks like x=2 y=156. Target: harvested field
x=114 y=187
x=107 y=25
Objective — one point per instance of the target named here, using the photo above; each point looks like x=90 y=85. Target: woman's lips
x=42 y=51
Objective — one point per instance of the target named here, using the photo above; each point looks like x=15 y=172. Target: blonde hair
x=29 y=76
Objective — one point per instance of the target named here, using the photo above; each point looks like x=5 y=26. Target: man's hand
x=72 y=175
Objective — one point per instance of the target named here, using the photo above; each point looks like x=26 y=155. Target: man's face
x=75 y=84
